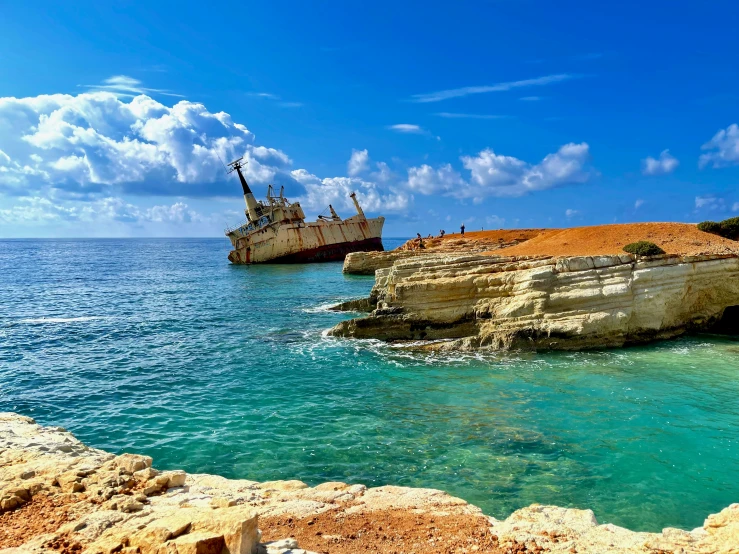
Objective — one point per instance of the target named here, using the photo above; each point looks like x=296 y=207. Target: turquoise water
x=161 y=347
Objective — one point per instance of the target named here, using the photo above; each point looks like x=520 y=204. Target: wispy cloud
x=451 y=115
x=499 y=87
x=123 y=85
x=407 y=128
x=710 y=202
x=530 y=98
x=276 y=98
x=268 y=95
x=411 y=129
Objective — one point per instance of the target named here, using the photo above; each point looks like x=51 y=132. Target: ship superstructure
x=275 y=231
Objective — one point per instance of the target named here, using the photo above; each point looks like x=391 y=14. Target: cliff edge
x=525 y=297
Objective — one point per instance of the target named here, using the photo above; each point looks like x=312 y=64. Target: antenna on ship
x=236 y=166
x=251 y=202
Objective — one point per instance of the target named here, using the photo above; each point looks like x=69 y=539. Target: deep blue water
x=161 y=347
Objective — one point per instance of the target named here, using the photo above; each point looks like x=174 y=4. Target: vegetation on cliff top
x=683 y=239
x=728 y=228
x=643 y=248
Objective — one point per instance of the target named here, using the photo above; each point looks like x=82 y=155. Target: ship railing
x=229 y=230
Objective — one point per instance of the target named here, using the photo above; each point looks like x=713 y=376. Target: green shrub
x=730 y=228
x=643 y=248
x=710 y=227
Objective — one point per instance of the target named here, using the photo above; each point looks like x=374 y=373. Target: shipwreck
x=275 y=231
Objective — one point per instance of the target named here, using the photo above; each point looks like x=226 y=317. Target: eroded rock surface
x=547 y=303
x=366 y=263
x=59 y=495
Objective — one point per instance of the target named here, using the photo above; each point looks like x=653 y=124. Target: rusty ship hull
x=322 y=241
x=275 y=231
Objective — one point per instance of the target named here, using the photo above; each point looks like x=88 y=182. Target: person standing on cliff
x=462 y=229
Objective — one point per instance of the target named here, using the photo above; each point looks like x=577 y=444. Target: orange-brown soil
x=473 y=241
x=333 y=532
x=501 y=235
x=673 y=238
x=43 y=514
x=391 y=531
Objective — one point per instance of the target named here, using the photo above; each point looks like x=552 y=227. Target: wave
x=48 y=320
x=322 y=308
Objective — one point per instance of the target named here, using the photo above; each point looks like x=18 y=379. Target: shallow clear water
x=161 y=347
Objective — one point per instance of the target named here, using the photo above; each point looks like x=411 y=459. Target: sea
x=161 y=347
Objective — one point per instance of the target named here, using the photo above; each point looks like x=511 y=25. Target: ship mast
x=353 y=196
x=251 y=202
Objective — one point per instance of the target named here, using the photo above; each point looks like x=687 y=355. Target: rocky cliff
x=546 y=302
x=366 y=263
x=58 y=495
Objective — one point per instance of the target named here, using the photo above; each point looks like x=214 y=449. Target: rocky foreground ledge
x=58 y=495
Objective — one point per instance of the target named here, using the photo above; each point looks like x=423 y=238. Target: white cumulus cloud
x=427 y=180
x=666 y=163
x=499 y=175
x=724 y=148
x=114 y=142
x=335 y=191
x=358 y=162
x=76 y=157
x=494 y=174
x=97 y=142
x=34 y=210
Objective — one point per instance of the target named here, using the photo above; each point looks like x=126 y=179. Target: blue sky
x=499 y=114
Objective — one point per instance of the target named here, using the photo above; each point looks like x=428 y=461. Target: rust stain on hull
x=330 y=252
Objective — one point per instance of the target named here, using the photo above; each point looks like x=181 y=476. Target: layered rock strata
x=545 y=302
x=366 y=263
x=58 y=495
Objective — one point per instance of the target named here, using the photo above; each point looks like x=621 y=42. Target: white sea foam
x=326 y=308
x=47 y=320
x=322 y=308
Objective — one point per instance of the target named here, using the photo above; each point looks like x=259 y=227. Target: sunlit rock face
x=548 y=303
x=59 y=495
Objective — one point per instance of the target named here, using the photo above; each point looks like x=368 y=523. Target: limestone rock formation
x=547 y=303
x=366 y=263
x=73 y=499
